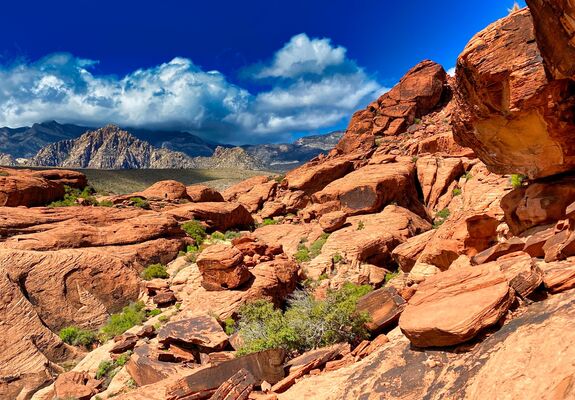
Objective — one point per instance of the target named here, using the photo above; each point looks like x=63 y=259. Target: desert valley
x=426 y=252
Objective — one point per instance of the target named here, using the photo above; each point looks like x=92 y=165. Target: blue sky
x=233 y=71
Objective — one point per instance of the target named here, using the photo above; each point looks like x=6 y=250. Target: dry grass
x=134 y=180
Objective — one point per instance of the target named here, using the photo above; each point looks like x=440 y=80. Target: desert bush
x=118 y=323
x=302 y=254
x=218 y=236
x=269 y=221
x=306 y=324
x=104 y=369
x=360 y=226
x=139 y=202
x=456 y=192
x=305 y=254
x=71 y=196
x=77 y=336
x=154 y=271
x=195 y=230
x=106 y=203
x=517 y=180
x=315 y=248
x=440 y=217
x=229 y=235
x=154 y=312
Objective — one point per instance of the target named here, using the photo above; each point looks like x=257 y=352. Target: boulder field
x=473 y=268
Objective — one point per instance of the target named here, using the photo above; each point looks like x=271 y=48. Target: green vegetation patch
x=118 y=323
x=306 y=324
x=71 y=197
x=154 y=271
x=195 y=230
x=77 y=336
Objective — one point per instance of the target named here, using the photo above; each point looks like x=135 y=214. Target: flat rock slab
x=453 y=306
x=384 y=306
x=202 y=331
x=263 y=366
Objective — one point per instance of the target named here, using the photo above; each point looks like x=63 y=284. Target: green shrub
x=218 y=236
x=229 y=235
x=139 y=202
x=77 y=336
x=414 y=159
x=306 y=324
x=229 y=326
x=163 y=319
x=337 y=258
x=154 y=271
x=390 y=275
x=456 y=192
x=444 y=214
x=104 y=368
x=106 y=203
x=302 y=254
x=119 y=323
x=517 y=180
x=467 y=176
x=279 y=178
x=71 y=196
x=123 y=358
x=154 y=312
x=360 y=226
x=269 y=221
x=315 y=248
x=417 y=121
x=195 y=230
x=440 y=217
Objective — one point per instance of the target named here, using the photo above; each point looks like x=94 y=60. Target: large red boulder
x=372 y=187
x=219 y=216
x=509 y=111
x=554 y=26
x=452 y=307
x=222 y=268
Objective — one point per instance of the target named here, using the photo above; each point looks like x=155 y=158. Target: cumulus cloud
x=313 y=85
x=451 y=71
x=176 y=94
x=301 y=56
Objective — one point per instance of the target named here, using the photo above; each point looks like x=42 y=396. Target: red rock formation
x=202 y=193
x=222 y=268
x=23 y=187
x=554 y=22
x=417 y=93
x=454 y=306
x=219 y=216
x=509 y=112
x=372 y=187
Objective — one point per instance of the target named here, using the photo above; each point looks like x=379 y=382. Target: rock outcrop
x=516 y=119
x=35 y=188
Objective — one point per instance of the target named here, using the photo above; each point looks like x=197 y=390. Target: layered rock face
x=554 y=28
x=509 y=111
x=35 y=188
x=417 y=93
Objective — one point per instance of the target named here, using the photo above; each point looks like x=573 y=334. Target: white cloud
x=302 y=55
x=61 y=87
x=313 y=86
x=451 y=71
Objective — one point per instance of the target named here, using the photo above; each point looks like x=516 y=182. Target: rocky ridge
x=113 y=148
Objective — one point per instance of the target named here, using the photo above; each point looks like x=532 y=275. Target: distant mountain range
x=68 y=145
